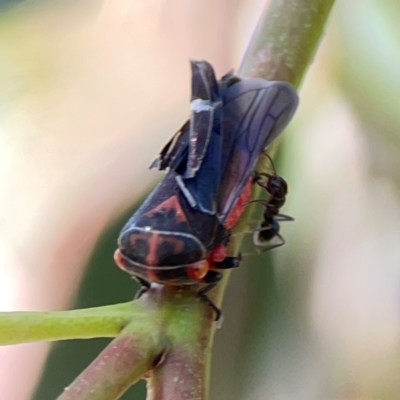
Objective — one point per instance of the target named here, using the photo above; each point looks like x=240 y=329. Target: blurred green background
x=89 y=92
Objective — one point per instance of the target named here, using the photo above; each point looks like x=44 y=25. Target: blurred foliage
x=6 y=4
x=368 y=48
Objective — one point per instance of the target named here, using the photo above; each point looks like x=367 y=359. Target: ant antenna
x=270 y=160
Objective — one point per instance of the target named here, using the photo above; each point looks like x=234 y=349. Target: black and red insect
x=179 y=234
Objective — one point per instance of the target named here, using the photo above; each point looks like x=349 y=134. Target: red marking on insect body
x=152 y=275
x=172 y=203
x=198 y=271
x=239 y=206
x=152 y=242
x=119 y=259
x=156 y=242
x=218 y=254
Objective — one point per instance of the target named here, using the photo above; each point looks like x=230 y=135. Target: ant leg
x=211 y=279
x=262 y=236
x=263 y=183
x=250 y=232
x=284 y=218
x=258 y=176
x=145 y=286
x=275 y=245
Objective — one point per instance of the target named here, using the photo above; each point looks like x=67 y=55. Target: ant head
x=276 y=184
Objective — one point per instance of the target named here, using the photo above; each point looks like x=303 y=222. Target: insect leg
x=275 y=245
x=145 y=286
x=211 y=279
x=284 y=218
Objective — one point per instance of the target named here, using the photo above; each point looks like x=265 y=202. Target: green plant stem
x=108 y=321
x=285 y=40
x=174 y=336
x=183 y=373
x=123 y=362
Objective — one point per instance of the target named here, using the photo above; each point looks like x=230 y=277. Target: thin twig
x=107 y=321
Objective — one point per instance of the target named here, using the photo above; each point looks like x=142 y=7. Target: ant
x=277 y=189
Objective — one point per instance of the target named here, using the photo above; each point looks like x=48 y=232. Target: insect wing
x=201 y=125
x=205 y=98
x=204 y=82
x=185 y=152
x=195 y=152
x=174 y=153
x=201 y=181
x=255 y=112
x=201 y=191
